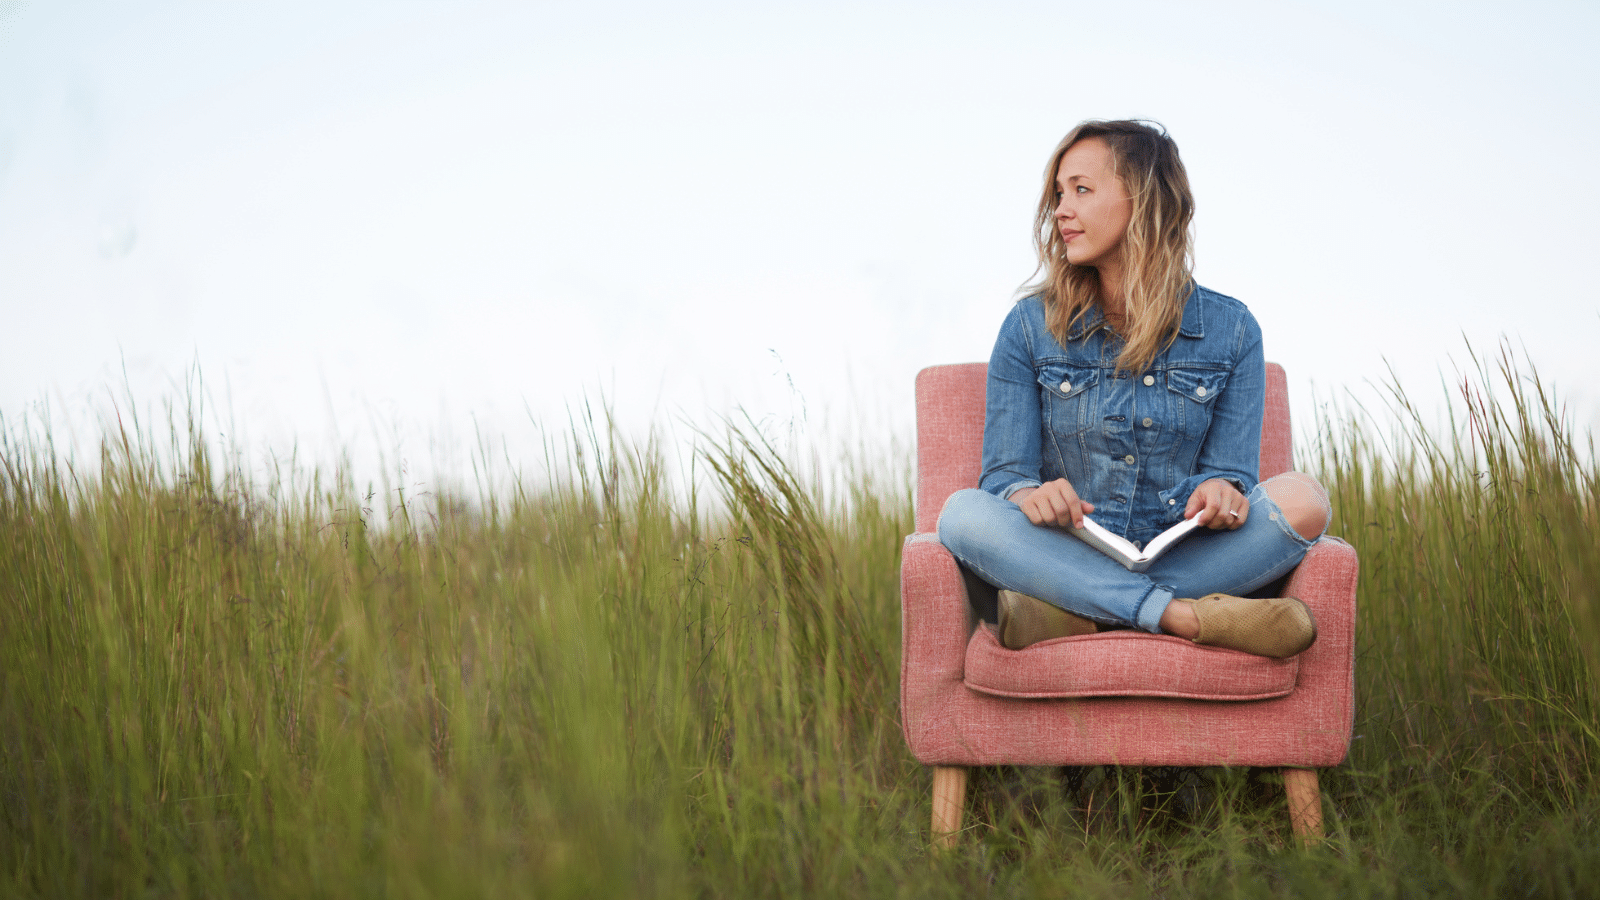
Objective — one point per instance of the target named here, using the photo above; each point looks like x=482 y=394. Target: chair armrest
x=1326 y=582
x=936 y=623
x=936 y=618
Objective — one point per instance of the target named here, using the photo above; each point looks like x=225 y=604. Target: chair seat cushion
x=1123 y=664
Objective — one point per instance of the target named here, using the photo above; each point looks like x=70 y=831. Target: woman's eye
x=1082 y=189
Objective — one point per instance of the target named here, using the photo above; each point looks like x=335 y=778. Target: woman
x=1121 y=388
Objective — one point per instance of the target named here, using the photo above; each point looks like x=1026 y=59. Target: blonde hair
x=1157 y=248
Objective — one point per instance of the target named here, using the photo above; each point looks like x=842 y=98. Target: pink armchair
x=1119 y=697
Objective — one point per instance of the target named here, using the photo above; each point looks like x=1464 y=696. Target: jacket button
x=1128 y=459
x=1066 y=386
x=1200 y=391
x=1148 y=422
x=1149 y=380
x=1172 y=503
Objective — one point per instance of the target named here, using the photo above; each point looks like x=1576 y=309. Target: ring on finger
x=1234 y=513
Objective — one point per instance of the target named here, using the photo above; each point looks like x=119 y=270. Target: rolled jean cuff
x=1154 y=605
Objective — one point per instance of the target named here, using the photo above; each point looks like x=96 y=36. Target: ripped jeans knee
x=1303 y=501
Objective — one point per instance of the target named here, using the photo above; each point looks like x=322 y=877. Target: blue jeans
x=994 y=539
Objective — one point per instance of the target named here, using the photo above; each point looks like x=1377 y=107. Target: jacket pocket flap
x=1067 y=381
x=1198 y=385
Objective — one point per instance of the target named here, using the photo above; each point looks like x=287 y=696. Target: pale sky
x=386 y=228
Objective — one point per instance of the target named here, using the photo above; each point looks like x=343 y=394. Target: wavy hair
x=1158 y=250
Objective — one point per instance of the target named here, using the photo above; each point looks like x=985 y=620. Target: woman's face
x=1092 y=205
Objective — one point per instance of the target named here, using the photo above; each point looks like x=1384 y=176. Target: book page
x=1112 y=545
x=1123 y=551
x=1159 y=544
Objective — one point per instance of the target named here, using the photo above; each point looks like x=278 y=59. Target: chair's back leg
x=1305 y=804
x=949 y=798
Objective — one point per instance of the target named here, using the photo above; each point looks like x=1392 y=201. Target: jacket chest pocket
x=1191 y=396
x=1068 y=398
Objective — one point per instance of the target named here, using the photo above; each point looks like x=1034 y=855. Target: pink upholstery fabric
x=1277 y=443
x=949 y=436
x=953 y=716
x=1123 y=664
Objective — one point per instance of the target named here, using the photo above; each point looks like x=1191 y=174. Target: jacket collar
x=1191 y=326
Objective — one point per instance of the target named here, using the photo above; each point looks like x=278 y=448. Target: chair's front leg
x=949 y=798
x=1305 y=804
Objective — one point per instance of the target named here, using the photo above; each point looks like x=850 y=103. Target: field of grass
x=608 y=687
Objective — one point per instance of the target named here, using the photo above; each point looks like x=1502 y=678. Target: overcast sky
x=390 y=227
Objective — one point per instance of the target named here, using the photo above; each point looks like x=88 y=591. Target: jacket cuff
x=1176 y=498
x=1013 y=487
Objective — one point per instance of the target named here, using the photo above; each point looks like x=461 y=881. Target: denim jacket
x=1136 y=446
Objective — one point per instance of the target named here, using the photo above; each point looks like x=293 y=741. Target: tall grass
x=603 y=687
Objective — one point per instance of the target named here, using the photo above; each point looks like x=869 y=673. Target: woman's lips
x=1068 y=234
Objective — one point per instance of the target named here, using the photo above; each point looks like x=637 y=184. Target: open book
x=1123 y=551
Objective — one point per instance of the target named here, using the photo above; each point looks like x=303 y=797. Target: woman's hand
x=1219 y=504
x=1053 y=503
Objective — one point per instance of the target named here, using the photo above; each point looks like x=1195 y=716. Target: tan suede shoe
x=1025 y=621
x=1278 y=627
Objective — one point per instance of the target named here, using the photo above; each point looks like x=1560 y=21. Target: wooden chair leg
x=949 y=798
x=1305 y=804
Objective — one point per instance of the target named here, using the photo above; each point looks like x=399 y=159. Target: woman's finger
x=1236 y=506
x=1062 y=501
x=1216 y=509
x=1055 y=508
x=1055 y=503
x=1072 y=512
x=1030 y=508
x=1200 y=502
x=1040 y=511
x=1243 y=508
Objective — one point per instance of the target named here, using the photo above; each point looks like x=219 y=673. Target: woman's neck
x=1111 y=299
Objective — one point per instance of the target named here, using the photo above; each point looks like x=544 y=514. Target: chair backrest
x=950 y=433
